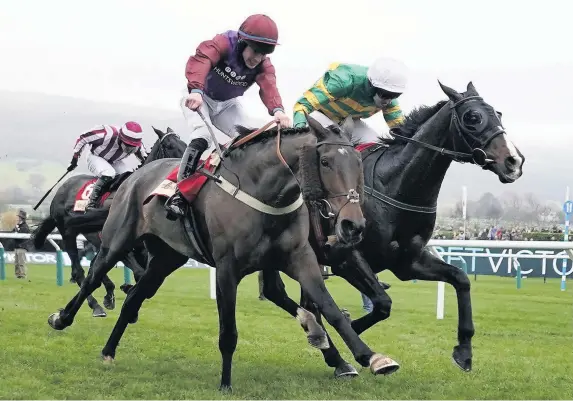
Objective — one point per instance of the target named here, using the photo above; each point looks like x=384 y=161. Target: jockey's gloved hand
x=73 y=163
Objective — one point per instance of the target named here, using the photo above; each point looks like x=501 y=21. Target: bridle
x=476 y=154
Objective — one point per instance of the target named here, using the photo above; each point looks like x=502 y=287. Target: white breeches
x=362 y=132
x=223 y=116
x=98 y=166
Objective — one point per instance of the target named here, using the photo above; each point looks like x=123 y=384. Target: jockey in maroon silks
x=219 y=73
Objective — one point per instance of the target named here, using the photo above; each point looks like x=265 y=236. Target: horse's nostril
x=510 y=162
x=350 y=228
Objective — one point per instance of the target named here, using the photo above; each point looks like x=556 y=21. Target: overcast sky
x=518 y=55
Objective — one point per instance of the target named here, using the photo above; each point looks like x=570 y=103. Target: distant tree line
x=525 y=208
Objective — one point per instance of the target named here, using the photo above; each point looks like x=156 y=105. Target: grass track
x=523 y=348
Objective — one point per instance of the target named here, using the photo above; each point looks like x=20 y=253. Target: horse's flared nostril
x=352 y=229
x=511 y=162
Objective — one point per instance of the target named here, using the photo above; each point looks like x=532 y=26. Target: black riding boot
x=97 y=192
x=175 y=205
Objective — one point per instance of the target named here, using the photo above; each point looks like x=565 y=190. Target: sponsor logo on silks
x=231 y=76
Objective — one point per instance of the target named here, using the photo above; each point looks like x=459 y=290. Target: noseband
x=477 y=154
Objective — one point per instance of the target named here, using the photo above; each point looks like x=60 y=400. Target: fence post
x=59 y=268
x=518 y=273
x=126 y=275
x=2 y=264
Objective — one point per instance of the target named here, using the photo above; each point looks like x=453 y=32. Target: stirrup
x=172 y=202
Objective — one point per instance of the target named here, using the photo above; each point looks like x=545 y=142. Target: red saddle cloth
x=364 y=146
x=83 y=195
x=191 y=185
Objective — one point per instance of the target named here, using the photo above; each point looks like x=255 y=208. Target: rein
x=477 y=155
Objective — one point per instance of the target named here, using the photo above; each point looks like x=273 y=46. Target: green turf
x=523 y=346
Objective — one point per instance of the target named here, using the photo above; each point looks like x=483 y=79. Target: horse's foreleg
x=78 y=273
x=304 y=268
x=358 y=273
x=227 y=283
x=103 y=263
x=145 y=288
x=132 y=264
x=330 y=353
x=274 y=290
x=432 y=268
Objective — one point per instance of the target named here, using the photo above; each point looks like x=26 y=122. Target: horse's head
x=478 y=129
x=168 y=145
x=332 y=177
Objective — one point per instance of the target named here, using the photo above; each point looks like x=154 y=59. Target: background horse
x=262 y=225
x=70 y=224
x=402 y=183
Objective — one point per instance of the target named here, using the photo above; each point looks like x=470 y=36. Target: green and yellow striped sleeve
x=331 y=86
x=393 y=114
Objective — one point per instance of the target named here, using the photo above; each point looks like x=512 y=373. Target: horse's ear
x=317 y=127
x=452 y=93
x=471 y=89
x=347 y=126
x=169 y=130
x=158 y=132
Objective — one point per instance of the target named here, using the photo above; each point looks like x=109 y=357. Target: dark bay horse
x=70 y=224
x=402 y=183
x=265 y=225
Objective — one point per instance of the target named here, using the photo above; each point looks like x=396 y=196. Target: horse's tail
x=91 y=221
x=41 y=232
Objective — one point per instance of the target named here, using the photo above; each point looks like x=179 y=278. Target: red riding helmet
x=259 y=32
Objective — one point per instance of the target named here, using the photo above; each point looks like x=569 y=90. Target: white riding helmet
x=388 y=74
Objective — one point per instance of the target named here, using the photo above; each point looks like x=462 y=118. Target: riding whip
x=213 y=137
x=50 y=190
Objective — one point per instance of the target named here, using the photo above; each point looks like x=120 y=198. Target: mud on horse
x=71 y=224
x=255 y=218
x=402 y=183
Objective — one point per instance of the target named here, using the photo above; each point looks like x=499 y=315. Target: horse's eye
x=324 y=161
x=471 y=119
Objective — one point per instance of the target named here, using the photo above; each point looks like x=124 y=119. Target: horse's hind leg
x=160 y=266
x=432 y=268
x=78 y=273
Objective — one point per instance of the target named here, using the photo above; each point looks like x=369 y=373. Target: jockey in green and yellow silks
x=357 y=91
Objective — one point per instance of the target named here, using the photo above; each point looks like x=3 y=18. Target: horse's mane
x=417 y=117
x=264 y=136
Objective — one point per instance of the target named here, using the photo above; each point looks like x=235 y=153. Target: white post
x=440 y=303
x=213 y=282
x=464 y=206
x=441 y=300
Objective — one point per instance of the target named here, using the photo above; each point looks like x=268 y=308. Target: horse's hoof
x=54 y=321
x=107 y=360
x=109 y=302
x=344 y=371
x=319 y=341
x=98 y=312
x=383 y=365
x=134 y=319
x=462 y=357
x=126 y=287
x=225 y=388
